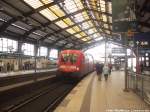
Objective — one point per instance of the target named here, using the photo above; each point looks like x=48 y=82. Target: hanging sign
x=121 y=16
x=142 y=40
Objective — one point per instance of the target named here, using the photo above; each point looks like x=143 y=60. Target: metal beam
x=84 y=37
x=14 y=19
x=25 y=35
x=67 y=36
x=58 y=31
x=27 y=14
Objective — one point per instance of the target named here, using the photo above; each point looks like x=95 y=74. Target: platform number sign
x=142 y=43
x=142 y=40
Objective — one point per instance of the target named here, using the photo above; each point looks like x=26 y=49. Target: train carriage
x=75 y=63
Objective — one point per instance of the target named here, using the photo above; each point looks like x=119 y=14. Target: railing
x=140 y=84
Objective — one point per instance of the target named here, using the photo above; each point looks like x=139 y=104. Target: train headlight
x=77 y=68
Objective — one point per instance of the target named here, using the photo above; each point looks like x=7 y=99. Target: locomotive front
x=69 y=61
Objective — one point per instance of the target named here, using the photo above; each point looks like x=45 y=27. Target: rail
x=140 y=84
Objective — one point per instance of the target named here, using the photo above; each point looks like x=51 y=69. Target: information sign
x=123 y=16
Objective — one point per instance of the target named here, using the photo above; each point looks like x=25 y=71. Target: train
x=75 y=63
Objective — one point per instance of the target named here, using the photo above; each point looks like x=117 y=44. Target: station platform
x=25 y=72
x=92 y=95
x=14 y=80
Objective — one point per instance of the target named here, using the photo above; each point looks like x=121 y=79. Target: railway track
x=43 y=101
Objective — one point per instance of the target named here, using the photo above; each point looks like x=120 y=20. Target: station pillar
x=105 y=50
x=137 y=61
x=48 y=52
x=20 y=53
x=126 y=62
x=35 y=55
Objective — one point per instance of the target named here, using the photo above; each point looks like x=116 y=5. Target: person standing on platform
x=8 y=67
x=141 y=67
x=106 y=71
x=98 y=70
x=1 y=66
x=110 y=68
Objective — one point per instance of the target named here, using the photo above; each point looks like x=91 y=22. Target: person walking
x=110 y=68
x=99 y=70
x=142 y=67
x=106 y=71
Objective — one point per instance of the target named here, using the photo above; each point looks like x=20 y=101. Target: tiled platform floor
x=92 y=95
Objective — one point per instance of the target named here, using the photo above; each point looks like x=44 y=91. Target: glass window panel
x=89 y=42
x=5 y=49
x=103 y=8
x=90 y=23
x=85 y=15
x=54 y=53
x=85 y=25
x=70 y=6
x=99 y=38
x=61 y=24
x=42 y=51
x=107 y=31
x=78 y=35
x=15 y=45
x=49 y=14
x=95 y=35
x=110 y=19
x=78 y=17
x=47 y=1
x=90 y=31
x=4 y=42
x=57 y=11
x=28 y=49
x=84 y=39
x=9 y=43
x=34 y=3
x=79 y=4
x=106 y=26
x=76 y=28
x=70 y=31
x=68 y=21
x=104 y=18
x=110 y=7
x=83 y=34
x=88 y=38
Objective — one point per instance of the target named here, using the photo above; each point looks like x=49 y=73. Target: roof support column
x=20 y=53
x=126 y=88
x=36 y=46
x=48 y=52
x=105 y=50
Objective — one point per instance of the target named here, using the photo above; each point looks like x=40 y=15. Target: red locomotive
x=75 y=63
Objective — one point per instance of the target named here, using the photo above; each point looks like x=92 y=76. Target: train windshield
x=69 y=58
